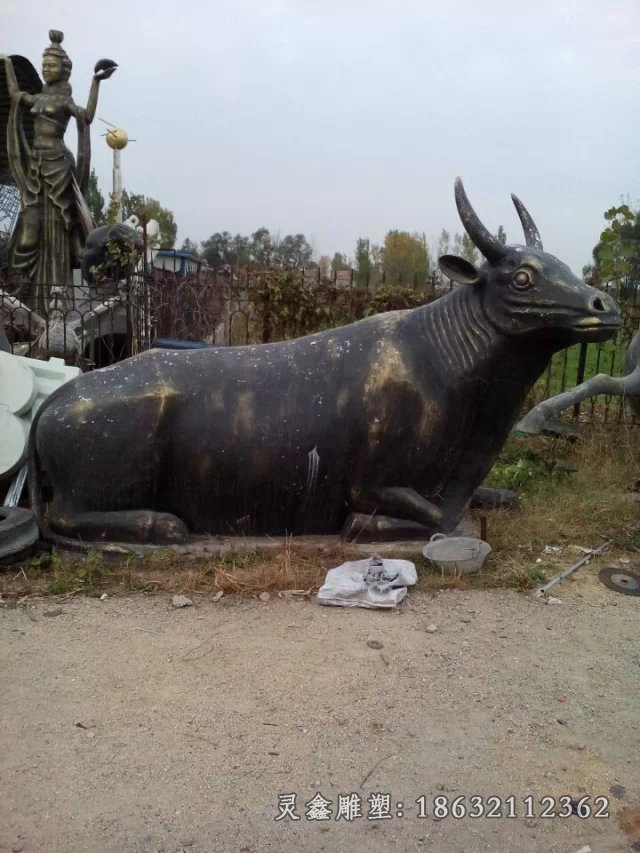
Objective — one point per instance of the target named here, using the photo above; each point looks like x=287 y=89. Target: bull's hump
x=321 y=348
x=368 y=328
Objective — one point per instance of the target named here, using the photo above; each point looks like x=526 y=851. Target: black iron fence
x=235 y=307
x=89 y=327
x=225 y=307
x=94 y=327
x=574 y=365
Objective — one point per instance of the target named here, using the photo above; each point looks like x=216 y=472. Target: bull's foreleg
x=398 y=502
x=473 y=467
x=141 y=526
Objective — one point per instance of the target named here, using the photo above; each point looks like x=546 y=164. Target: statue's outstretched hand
x=104 y=69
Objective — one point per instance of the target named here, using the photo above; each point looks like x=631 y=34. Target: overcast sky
x=346 y=118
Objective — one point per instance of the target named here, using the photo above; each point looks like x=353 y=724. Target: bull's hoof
x=168 y=529
x=486 y=497
x=381 y=528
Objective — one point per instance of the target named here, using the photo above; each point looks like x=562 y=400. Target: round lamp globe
x=117 y=138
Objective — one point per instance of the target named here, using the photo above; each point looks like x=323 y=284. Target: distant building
x=175 y=261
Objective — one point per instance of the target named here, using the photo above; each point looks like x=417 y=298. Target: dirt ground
x=128 y=725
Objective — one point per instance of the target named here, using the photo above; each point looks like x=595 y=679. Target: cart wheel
x=18 y=533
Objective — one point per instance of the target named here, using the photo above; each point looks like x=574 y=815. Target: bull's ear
x=460 y=270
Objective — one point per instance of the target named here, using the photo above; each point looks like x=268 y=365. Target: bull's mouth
x=597 y=324
x=596 y=329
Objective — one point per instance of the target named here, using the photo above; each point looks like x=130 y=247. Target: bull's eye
x=522 y=280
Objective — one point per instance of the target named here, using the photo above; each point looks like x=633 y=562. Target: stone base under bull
x=202 y=545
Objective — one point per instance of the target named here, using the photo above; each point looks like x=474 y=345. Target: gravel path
x=128 y=725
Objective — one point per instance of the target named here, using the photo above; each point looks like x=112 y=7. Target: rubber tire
x=18 y=532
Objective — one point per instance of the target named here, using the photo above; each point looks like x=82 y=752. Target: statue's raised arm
x=12 y=85
x=19 y=84
x=103 y=70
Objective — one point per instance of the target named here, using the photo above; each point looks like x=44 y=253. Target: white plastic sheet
x=370 y=583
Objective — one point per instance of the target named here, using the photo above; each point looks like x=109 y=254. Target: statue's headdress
x=56 y=49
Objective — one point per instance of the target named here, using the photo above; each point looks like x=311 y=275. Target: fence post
x=582 y=360
x=266 y=317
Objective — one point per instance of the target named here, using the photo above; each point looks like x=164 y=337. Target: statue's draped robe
x=49 y=180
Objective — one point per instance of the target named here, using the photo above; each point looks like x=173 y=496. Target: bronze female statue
x=54 y=219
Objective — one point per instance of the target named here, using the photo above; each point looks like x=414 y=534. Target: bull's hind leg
x=139 y=526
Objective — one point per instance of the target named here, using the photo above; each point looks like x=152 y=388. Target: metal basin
x=456 y=555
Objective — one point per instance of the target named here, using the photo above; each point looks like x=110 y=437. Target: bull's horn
x=490 y=246
x=531 y=233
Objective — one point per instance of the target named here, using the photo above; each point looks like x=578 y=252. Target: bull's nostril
x=597 y=304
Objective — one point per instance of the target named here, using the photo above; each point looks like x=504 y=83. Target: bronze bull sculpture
x=398 y=416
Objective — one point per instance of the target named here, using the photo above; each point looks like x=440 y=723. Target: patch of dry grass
x=245 y=570
x=594 y=503
x=583 y=508
x=239 y=571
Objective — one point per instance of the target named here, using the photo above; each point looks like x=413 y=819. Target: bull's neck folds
x=466 y=341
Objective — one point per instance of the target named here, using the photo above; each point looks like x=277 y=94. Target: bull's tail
x=34 y=479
